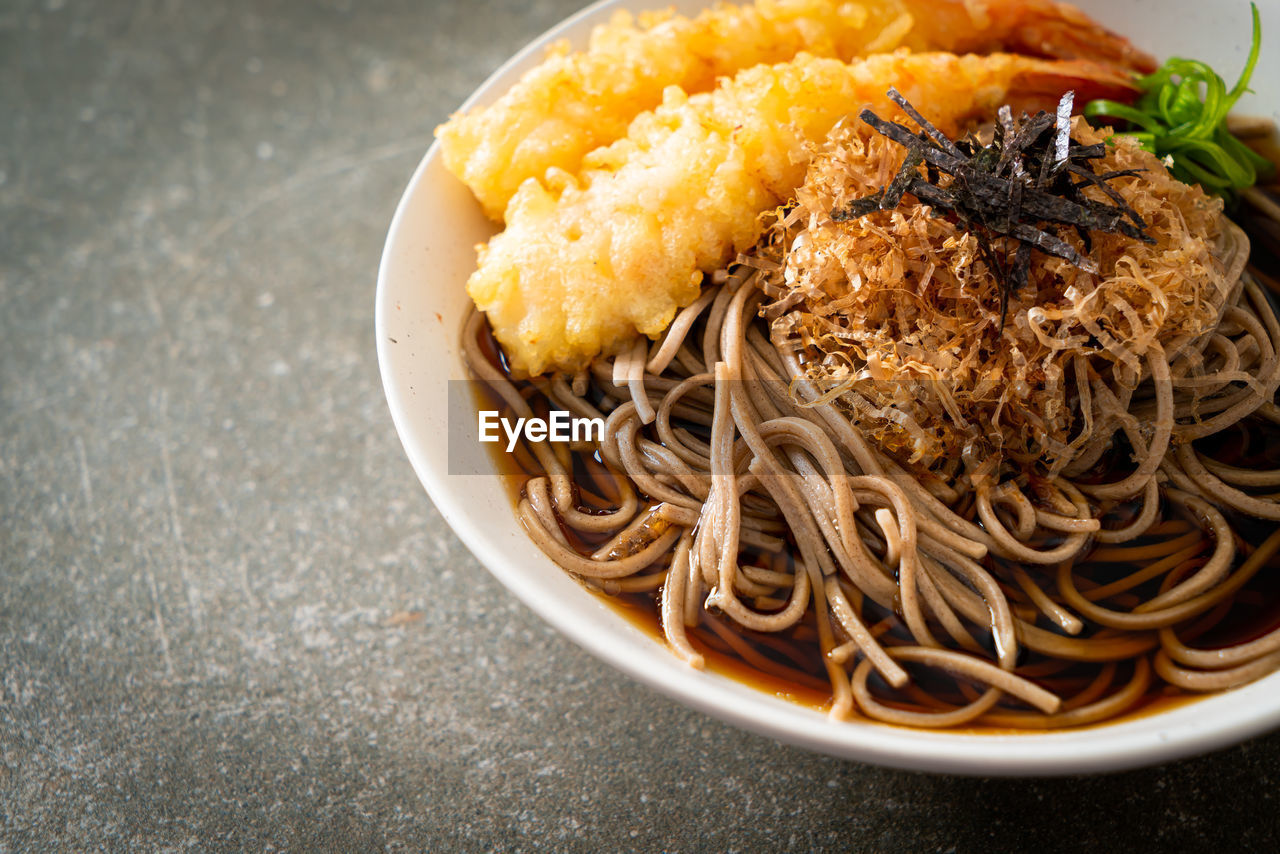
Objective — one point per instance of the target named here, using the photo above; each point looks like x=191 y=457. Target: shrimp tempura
x=575 y=102
x=587 y=262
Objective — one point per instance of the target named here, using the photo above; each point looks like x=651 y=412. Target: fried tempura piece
x=575 y=102
x=588 y=261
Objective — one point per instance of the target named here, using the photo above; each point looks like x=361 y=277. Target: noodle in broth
x=1072 y=514
x=1087 y=641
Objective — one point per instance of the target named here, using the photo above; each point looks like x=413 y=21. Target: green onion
x=1181 y=118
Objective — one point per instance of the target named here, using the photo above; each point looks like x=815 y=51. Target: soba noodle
x=733 y=483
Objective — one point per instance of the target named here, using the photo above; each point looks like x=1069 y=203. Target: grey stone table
x=229 y=616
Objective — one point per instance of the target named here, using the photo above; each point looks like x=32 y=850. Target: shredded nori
x=1028 y=182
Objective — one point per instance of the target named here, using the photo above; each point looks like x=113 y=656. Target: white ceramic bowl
x=420 y=303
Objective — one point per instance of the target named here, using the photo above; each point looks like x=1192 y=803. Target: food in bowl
x=955 y=412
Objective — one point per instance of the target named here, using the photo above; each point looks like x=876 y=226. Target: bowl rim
x=1187 y=729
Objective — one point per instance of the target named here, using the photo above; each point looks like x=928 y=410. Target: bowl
x=420 y=303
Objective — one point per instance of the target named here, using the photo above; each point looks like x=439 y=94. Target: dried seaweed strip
x=926 y=126
x=1017 y=186
x=1100 y=181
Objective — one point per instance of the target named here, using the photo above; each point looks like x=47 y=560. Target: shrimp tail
x=1039 y=86
x=1042 y=28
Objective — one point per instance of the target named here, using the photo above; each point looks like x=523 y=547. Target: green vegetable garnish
x=1181 y=118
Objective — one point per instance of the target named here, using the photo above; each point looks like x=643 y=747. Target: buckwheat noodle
x=740 y=494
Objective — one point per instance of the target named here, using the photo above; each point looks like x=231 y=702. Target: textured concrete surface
x=229 y=616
